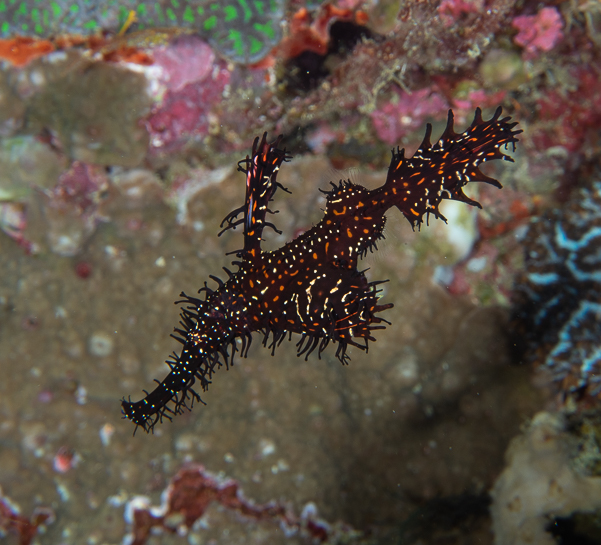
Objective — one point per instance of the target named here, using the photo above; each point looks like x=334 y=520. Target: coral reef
x=557 y=299
x=419 y=421
x=241 y=31
x=185 y=113
x=119 y=135
x=540 y=482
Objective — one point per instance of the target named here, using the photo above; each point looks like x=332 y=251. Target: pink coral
x=452 y=10
x=187 y=60
x=539 y=32
x=398 y=118
x=185 y=113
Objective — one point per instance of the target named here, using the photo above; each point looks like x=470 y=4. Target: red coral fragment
x=189 y=495
x=24 y=528
x=20 y=50
x=127 y=53
x=83 y=269
x=312 y=33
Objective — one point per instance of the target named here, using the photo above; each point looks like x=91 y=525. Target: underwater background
x=474 y=418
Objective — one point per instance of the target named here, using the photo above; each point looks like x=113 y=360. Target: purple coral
x=539 y=32
x=406 y=112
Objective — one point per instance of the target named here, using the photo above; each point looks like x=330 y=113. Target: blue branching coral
x=241 y=30
x=558 y=297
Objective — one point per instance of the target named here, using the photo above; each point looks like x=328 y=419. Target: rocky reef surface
x=118 y=148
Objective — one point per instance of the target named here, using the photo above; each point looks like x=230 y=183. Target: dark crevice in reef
x=307 y=70
x=576 y=530
x=344 y=36
x=441 y=517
